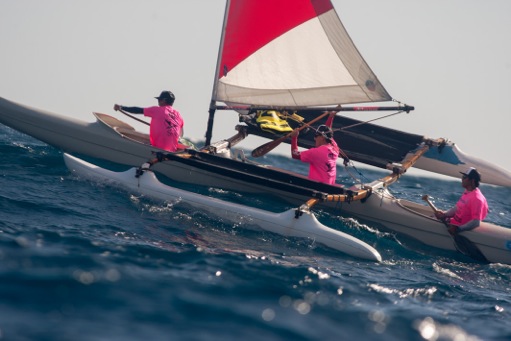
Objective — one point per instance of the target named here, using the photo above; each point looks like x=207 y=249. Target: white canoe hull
x=285 y=223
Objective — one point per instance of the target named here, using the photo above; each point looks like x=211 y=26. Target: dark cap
x=472 y=173
x=167 y=95
x=325 y=131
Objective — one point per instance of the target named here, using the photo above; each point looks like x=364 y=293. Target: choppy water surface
x=84 y=261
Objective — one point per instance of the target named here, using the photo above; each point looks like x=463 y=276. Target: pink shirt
x=166 y=126
x=472 y=205
x=323 y=162
x=322 y=159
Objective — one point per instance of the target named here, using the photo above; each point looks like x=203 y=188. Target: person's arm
x=451 y=212
x=446 y=214
x=470 y=225
x=330 y=120
x=295 y=153
x=465 y=227
x=133 y=110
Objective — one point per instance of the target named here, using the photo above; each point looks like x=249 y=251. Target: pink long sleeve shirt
x=166 y=126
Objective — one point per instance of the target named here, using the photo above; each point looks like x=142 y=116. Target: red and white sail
x=291 y=53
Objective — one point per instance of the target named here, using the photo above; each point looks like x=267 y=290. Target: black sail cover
x=363 y=142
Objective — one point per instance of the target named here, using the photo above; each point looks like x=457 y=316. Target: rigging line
x=375 y=119
x=361 y=177
x=352 y=176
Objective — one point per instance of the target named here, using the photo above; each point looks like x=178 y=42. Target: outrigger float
x=297 y=222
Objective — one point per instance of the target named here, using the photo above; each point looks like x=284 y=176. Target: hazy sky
x=451 y=59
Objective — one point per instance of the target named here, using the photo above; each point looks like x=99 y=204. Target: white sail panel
x=273 y=68
x=313 y=64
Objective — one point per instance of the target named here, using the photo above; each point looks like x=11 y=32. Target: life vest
x=270 y=121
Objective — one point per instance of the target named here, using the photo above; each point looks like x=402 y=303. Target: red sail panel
x=244 y=36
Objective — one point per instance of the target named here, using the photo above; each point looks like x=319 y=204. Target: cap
x=168 y=95
x=326 y=131
x=472 y=173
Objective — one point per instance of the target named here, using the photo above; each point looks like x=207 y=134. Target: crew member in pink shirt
x=322 y=158
x=166 y=122
x=472 y=207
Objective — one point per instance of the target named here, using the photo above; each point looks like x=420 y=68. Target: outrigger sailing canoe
x=269 y=69
x=379 y=205
x=292 y=223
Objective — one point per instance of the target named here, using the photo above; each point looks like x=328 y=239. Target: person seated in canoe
x=166 y=122
x=322 y=158
x=471 y=208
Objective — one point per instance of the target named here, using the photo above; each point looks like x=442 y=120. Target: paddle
x=133 y=117
x=462 y=244
x=267 y=147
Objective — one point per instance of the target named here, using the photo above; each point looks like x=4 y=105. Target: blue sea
x=85 y=261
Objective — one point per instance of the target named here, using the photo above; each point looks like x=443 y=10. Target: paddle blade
x=465 y=246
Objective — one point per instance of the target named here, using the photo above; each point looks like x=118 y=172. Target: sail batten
x=302 y=58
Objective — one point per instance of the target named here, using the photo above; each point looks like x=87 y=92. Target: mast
x=212 y=104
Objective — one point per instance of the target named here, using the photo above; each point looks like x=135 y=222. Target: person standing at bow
x=322 y=158
x=166 y=122
x=471 y=208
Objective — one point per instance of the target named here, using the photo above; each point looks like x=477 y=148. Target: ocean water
x=84 y=261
